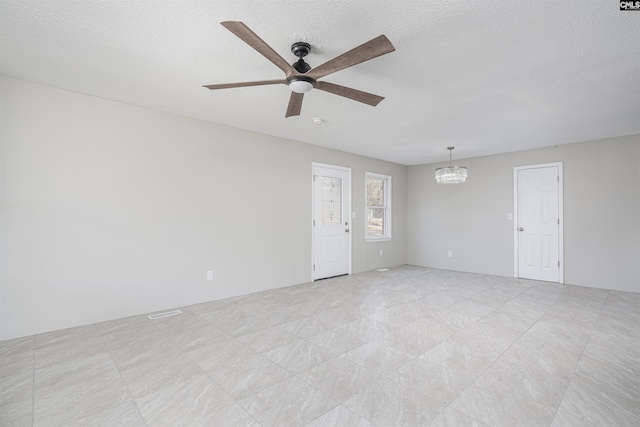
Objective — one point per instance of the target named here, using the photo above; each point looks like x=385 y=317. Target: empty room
x=319 y=213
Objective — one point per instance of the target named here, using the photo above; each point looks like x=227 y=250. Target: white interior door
x=331 y=221
x=538 y=223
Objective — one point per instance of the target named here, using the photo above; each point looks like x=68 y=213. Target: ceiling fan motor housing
x=301 y=49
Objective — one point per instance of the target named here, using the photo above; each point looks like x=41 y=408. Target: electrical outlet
x=450 y=254
x=210 y=275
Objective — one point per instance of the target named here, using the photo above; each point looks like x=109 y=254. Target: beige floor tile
x=485 y=340
x=388 y=403
x=337 y=341
x=339 y=378
x=452 y=418
x=335 y=318
x=460 y=359
x=239 y=324
x=17 y=346
x=71 y=373
x=378 y=358
x=198 y=342
x=299 y=356
x=305 y=327
x=224 y=353
x=17 y=413
x=393 y=347
x=248 y=375
x=125 y=414
x=59 y=402
x=159 y=374
x=368 y=328
x=340 y=416
x=276 y=315
x=183 y=403
x=439 y=382
x=16 y=380
x=268 y=339
x=289 y=403
x=229 y=416
x=133 y=339
x=591 y=403
x=408 y=341
x=512 y=394
x=125 y=324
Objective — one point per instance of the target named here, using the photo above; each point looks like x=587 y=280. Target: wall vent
x=383 y=269
x=165 y=314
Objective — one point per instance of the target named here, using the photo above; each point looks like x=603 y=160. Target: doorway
x=331 y=221
x=538 y=207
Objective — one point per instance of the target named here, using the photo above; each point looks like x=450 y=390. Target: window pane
x=331 y=201
x=375 y=221
x=378 y=199
x=375 y=192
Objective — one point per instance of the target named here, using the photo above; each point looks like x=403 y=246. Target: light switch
x=353 y=215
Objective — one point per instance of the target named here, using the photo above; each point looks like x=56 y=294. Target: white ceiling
x=487 y=76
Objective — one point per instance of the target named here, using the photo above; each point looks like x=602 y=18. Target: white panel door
x=331 y=223
x=538 y=224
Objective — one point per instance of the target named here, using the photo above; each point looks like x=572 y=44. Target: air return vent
x=165 y=314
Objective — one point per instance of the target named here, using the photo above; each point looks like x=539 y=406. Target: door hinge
x=558 y=221
x=314 y=267
x=558 y=263
x=314 y=222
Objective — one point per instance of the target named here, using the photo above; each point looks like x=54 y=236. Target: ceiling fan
x=300 y=77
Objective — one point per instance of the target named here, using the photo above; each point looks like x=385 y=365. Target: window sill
x=381 y=239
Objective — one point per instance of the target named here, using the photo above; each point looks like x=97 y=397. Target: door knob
x=520 y=229
x=346 y=230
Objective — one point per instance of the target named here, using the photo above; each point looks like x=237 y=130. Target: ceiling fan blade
x=295 y=104
x=347 y=92
x=252 y=39
x=245 y=84
x=369 y=50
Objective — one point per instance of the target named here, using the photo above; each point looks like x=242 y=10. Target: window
x=378 y=206
x=331 y=201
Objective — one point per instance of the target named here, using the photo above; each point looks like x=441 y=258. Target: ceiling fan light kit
x=451 y=174
x=300 y=84
x=300 y=77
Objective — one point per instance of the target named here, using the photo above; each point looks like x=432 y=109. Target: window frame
x=387 y=182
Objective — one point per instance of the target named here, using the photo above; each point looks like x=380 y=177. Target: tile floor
x=411 y=346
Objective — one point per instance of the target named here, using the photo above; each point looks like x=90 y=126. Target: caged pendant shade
x=451 y=174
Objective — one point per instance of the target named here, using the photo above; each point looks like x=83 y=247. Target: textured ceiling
x=488 y=76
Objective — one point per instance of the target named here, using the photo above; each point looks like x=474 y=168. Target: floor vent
x=383 y=269
x=165 y=314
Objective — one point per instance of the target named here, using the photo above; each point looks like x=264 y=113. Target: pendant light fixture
x=451 y=174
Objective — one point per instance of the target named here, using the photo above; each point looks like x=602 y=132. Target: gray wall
x=601 y=213
x=110 y=210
